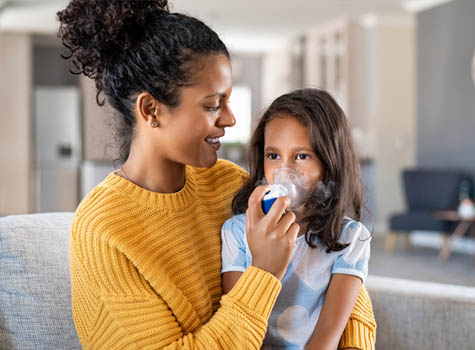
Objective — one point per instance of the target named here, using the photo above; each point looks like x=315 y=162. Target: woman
x=145 y=244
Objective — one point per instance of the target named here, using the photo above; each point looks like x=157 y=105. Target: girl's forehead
x=286 y=117
x=286 y=131
x=285 y=121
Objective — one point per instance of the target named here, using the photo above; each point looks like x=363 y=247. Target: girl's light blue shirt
x=305 y=283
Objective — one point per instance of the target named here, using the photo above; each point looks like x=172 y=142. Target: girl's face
x=193 y=128
x=287 y=144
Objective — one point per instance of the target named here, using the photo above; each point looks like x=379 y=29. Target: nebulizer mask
x=287 y=182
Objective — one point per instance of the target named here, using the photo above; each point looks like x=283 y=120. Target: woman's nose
x=226 y=118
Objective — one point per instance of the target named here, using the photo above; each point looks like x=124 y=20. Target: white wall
x=276 y=74
x=446 y=93
x=98 y=126
x=394 y=119
x=15 y=123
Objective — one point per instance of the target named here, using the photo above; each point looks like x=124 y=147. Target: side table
x=463 y=225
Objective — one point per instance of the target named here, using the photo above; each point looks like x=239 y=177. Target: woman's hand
x=271 y=237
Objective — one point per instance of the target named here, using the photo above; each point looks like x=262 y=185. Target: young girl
x=305 y=135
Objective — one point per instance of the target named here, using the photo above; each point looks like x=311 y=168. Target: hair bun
x=94 y=31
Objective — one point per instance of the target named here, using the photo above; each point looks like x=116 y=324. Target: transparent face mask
x=287 y=182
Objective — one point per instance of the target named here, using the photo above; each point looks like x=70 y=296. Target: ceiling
x=250 y=25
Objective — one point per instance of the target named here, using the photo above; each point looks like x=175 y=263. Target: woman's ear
x=148 y=109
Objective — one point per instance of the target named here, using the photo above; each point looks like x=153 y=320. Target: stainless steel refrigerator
x=57 y=148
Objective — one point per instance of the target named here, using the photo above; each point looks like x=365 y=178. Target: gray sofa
x=35 y=306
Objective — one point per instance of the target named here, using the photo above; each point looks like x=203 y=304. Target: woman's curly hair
x=132 y=46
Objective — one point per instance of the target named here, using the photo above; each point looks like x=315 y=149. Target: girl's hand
x=271 y=237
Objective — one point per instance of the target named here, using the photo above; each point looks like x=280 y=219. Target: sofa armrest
x=35 y=291
x=422 y=315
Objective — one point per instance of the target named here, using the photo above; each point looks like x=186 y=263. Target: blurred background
x=402 y=70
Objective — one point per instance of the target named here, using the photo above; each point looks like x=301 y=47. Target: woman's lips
x=213 y=142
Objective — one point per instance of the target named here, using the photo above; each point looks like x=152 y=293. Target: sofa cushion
x=35 y=293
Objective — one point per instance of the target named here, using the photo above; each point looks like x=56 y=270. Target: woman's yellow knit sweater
x=145 y=270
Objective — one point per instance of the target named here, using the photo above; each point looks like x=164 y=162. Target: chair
x=426 y=190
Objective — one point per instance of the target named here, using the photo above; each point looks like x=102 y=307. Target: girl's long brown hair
x=341 y=193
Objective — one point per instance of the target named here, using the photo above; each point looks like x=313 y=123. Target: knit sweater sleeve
x=360 y=331
x=118 y=309
x=241 y=322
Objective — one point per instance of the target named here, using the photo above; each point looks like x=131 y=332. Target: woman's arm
x=339 y=302
x=127 y=313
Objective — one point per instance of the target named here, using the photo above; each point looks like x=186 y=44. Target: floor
x=420 y=263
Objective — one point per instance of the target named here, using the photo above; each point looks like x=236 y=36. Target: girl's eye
x=303 y=156
x=272 y=156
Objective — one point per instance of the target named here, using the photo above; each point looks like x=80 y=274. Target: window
x=240 y=102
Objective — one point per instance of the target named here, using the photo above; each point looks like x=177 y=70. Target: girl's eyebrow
x=304 y=149
x=296 y=149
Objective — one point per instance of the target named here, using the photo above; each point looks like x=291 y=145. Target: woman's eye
x=272 y=156
x=303 y=156
x=213 y=108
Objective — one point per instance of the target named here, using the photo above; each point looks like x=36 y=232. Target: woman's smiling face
x=193 y=128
